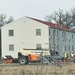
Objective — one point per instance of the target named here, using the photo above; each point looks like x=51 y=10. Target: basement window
x=11 y=47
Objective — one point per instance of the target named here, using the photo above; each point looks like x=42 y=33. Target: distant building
x=30 y=33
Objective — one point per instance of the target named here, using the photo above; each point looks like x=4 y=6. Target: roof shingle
x=54 y=25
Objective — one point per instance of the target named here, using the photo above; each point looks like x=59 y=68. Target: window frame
x=72 y=36
x=38 y=46
x=11 y=32
x=38 y=32
x=49 y=31
x=11 y=47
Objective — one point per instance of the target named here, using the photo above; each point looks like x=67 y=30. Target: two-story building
x=30 y=33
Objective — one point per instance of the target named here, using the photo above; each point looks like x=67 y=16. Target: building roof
x=54 y=25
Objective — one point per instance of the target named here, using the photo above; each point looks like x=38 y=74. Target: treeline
x=60 y=17
x=4 y=20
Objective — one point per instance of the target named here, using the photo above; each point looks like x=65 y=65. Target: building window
x=11 y=32
x=54 y=32
x=72 y=48
x=65 y=47
x=69 y=47
x=62 y=34
x=38 y=46
x=49 y=32
x=57 y=33
x=72 y=36
x=58 y=47
x=38 y=32
x=11 y=47
x=49 y=46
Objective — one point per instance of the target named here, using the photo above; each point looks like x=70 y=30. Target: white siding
x=24 y=36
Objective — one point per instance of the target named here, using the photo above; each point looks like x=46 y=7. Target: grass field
x=65 y=69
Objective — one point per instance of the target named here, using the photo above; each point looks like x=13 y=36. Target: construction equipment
x=31 y=55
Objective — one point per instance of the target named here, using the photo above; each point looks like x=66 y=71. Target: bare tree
x=67 y=19
x=73 y=16
x=61 y=18
x=56 y=17
x=3 y=19
x=9 y=20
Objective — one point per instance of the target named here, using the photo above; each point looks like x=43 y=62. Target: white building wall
x=24 y=36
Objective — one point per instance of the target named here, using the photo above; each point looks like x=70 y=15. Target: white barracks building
x=30 y=33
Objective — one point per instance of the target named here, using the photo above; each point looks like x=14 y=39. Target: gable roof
x=54 y=25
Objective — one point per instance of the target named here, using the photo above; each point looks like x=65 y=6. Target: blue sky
x=34 y=8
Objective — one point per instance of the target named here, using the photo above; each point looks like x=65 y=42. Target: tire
x=23 y=60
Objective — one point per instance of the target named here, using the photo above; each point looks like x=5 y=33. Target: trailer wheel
x=23 y=60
